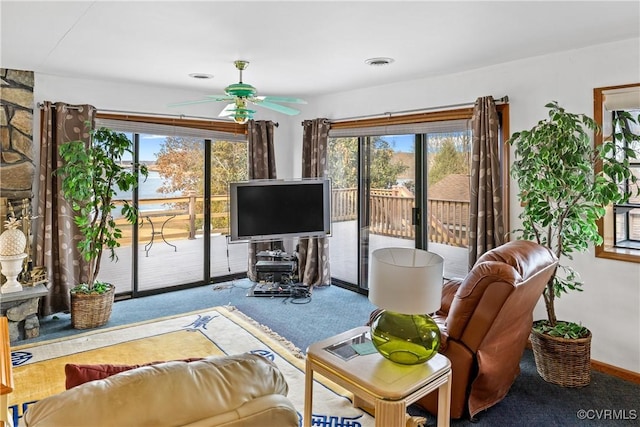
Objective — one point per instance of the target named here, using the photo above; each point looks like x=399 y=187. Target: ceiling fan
x=242 y=94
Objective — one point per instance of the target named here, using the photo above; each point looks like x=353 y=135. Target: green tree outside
x=448 y=160
x=180 y=164
x=343 y=162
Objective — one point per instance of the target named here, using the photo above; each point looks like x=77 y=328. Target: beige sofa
x=230 y=391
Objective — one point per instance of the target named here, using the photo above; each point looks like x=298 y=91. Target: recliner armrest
x=449 y=289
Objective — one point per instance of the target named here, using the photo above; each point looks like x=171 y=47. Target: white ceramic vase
x=11 y=268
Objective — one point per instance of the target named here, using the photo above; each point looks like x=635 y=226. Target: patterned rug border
x=225 y=310
x=251 y=323
x=230 y=312
x=288 y=351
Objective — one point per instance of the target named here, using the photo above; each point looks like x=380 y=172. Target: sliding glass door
x=406 y=189
x=387 y=194
x=180 y=239
x=228 y=163
x=343 y=156
x=373 y=181
x=447 y=160
x=170 y=201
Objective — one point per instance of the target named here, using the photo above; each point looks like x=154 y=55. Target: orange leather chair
x=485 y=321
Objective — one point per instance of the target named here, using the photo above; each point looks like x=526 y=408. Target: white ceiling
x=298 y=49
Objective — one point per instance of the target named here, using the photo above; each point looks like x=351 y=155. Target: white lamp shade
x=406 y=280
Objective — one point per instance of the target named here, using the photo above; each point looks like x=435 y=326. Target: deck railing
x=182 y=217
x=391 y=214
x=392 y=210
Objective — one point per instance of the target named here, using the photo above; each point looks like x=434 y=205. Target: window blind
x=169 y=130
x=622 y=99
x=404 y=129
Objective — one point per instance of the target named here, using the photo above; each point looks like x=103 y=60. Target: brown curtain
x=262 y=165
x=313 y=253
x=56 y=235
x=486 y=228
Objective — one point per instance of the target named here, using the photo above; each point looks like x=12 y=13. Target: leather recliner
x=485 y=321
x=231 y=391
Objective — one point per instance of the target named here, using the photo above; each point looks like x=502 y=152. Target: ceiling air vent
x=378 y=62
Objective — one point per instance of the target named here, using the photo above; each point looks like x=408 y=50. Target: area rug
x=39 y=369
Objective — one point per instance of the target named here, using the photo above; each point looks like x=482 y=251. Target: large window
x=180 y=238
x=626 y=224
x=620 y=227
x=406 y=185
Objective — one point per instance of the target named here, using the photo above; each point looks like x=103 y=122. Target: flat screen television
x=273 y=209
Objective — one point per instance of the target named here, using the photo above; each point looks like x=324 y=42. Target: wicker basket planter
x=91 y=310
x=561 y=361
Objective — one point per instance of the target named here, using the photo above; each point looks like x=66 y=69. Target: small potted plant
x=565 y=184
x=92 y=173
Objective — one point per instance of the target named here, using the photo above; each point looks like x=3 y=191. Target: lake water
x=148 y=189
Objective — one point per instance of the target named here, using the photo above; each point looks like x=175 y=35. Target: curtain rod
x=137 y=113
x=503 y=100
x=70 y=107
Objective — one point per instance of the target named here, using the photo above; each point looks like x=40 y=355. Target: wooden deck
x=165 y=267
x=343 y=250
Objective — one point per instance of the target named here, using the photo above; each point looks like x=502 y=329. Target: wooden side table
x=376 y=382
x=6 y=373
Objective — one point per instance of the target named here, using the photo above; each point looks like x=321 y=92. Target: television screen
x=272 y=209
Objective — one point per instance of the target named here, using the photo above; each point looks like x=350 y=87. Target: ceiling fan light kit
x=242 y=93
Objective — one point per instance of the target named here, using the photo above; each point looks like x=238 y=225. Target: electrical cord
x=299 y=295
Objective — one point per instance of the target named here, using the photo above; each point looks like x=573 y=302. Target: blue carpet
x=301 y=321
x=607 y=401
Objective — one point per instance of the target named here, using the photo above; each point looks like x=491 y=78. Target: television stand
x=293 y=290
x=275 y=271
x=274 y=278
x=263 y=289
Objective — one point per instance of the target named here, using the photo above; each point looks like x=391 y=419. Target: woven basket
x=91 y=311
x=561 y=361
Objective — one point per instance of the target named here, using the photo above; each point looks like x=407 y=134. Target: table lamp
x=407 y=284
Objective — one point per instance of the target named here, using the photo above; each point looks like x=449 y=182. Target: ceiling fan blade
x=276 y=107
x=221 y=97
x=200 y=101
x=282 y=99
x=227 y=111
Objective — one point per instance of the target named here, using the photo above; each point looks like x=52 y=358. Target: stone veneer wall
x=17 y=165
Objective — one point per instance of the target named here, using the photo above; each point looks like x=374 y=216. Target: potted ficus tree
x=92 y=174
x=565 y=185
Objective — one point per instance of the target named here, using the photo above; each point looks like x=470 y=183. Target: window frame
x=453 y=114
x=209 y=131
x=465 y=113
x=604 y=250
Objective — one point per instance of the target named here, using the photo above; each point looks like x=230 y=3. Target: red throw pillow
x=80 y=374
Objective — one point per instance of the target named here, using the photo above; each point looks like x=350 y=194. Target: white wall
x=610 y=304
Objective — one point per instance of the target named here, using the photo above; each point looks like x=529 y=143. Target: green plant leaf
x=562 y=191
x=91 y=174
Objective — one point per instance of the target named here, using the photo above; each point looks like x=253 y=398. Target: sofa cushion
x=80 y=374
x=167 y=394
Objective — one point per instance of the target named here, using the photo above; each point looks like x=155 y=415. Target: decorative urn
x=12 y=245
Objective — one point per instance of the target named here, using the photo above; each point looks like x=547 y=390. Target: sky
x=402 y=143
x=150 y=144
